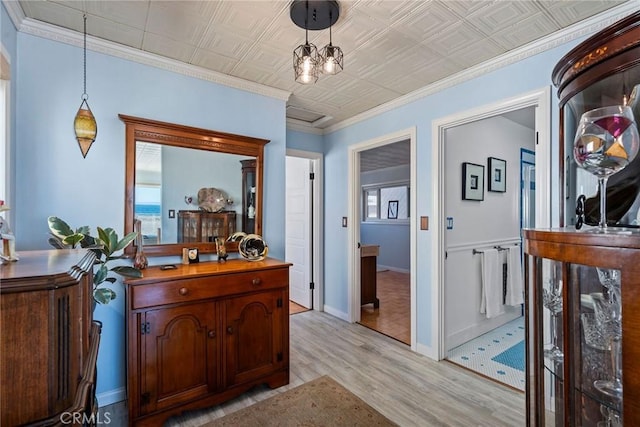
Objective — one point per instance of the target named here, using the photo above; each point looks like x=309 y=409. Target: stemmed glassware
x=609 y=314
x=552 y=300
x=606 y=141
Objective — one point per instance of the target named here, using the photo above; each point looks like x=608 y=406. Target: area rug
x=321 y=402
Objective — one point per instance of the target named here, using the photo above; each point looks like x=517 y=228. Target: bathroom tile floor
x=498 y=354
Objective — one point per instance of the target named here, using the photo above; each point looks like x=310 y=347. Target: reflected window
x=148 y=209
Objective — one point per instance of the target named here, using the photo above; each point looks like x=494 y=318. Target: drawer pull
x=183 y=291
x=212 y=334
x=229 y=330
x=256 y=281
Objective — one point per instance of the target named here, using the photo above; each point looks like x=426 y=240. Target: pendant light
x=307 y=62
x=331 y=56
x=85 y=125
x=305 y=57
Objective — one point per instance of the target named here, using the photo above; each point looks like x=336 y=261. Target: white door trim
x=318 y=229
x=541 y=99
x=353 y=216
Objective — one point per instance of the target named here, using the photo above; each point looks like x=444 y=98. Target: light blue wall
x=53 y=179
x=530 y=74
x=304 y=141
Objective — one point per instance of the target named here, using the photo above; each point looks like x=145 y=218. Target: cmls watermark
x=80 y=418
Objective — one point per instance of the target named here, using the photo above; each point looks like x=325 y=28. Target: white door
x=298 y=229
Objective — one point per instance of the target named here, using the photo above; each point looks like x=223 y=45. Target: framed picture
x=497 y=175
x=472 y=181
x=392 y=210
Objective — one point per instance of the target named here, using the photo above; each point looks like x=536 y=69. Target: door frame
x=317 y=160
x=354 y=218
x=541 y=99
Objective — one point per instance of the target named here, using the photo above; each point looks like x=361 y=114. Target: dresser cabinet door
x=254 y=336
x=180 y=355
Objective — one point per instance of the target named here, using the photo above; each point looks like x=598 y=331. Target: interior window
x=388 y=202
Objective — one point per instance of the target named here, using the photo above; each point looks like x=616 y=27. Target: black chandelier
x=307 y=62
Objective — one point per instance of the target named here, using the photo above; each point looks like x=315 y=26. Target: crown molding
x=15 y=12
x=583 y=28
x=95 y=44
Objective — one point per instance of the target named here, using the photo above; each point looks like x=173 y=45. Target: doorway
x=540 y=100
x=303 y=228
x=471 y=232
x=390 y=199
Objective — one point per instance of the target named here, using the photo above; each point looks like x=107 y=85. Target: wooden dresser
x=204 y=333
x=48 y=340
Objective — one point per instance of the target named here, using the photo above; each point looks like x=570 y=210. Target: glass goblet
x=606 y=141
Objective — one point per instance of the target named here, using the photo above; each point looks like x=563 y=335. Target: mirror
x=171 y=168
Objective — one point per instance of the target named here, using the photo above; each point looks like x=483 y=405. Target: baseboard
x=473 y=331
x=396 y=269
x=112 y=396
x=336 y=313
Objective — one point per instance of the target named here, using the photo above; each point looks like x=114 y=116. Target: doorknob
x=359 y=245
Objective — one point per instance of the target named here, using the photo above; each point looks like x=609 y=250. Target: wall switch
x=424 y=223
x=344 y=221
x=172 y=213
x=449 y=223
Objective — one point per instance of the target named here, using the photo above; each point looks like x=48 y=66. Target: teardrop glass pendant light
x=85 y=125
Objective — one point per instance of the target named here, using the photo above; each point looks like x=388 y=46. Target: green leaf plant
x=106 y=246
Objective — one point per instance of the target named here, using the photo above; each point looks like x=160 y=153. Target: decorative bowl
x=212 y=199
x=253 y=248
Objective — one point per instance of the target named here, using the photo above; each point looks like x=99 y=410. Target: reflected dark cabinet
x=248 y=196
x=582 y=310
x=201 y=226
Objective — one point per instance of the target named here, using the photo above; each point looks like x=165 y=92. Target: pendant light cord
x=84 y=94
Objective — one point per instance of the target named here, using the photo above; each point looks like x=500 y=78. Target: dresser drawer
x=193 y=289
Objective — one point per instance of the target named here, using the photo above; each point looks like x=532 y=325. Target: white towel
x=515 y=289
x=491 y=300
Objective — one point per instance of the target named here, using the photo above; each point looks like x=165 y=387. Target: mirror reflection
x=187 y=195
x=189 y=186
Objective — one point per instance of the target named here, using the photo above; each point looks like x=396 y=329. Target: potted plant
x=106 y=247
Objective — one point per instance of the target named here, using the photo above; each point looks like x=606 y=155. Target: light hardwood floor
x=393 y=317
x=406 y=387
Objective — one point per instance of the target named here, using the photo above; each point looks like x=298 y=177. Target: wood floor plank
x=406 y=387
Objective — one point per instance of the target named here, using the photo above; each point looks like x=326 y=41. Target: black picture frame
x=392 y=209
x=497 y=175
x=472 y=181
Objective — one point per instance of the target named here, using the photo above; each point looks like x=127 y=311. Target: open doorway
x=382 y=218
x=479 y=235
x=303 y=228
x=385 y=300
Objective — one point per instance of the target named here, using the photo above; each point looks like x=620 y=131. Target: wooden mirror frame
x=139 y=129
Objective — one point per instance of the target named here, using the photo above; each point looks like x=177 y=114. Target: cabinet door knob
x=212 y=334
x=229 y=330
x=183 y=291
x=256 y=281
